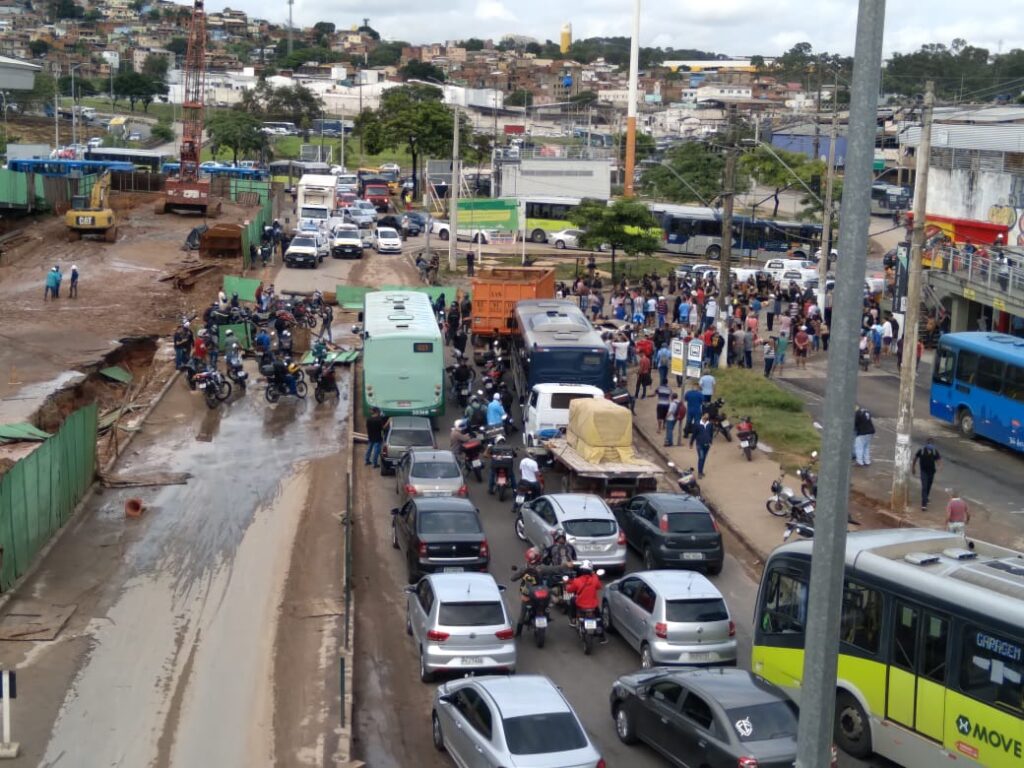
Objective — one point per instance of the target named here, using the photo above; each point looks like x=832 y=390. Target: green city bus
x=547 y=215
x=403 y=355
x=931 y=645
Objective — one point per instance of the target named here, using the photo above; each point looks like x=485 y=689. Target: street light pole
x=634 y=66
x=453 y=193
x=826 y=219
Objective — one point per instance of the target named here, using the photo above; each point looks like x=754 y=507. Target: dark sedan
x=717 y=718
x=672 y=530
x=439 y=535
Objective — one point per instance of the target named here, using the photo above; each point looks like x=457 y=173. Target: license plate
x=404 y=403
x=520 y=499
x=453 y=569
x=469 y=661
x=477 y=463
x=726 y=424
x=502 y=481
x=744 y=443
x=695 y=657
x=590 y=625
x=693 y=555
x=465 y=393
x=540 y=622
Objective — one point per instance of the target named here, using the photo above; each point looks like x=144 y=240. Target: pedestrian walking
x=694 y=402
x=701 y=437
x=958 y=514
x=781 y=346
x=470 y=264
x=801 y=343
x=707 y=387
x=620 y=350
x=671 y=416
x=864 y=430
x=643 y=377
x=748 y=348
x=769 y=357
x=73 y=287
x=662 y=359
x=374 y=437
x=328 y=320
x=928 y=459
x=664 y=395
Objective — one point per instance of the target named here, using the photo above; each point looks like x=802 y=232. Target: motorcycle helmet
x=559 y=535
x=496 y=398
x=229 y=333
x=533 y=556
x=586 y=567
x=461 y=424
x=286 y=334
x=293 y=367
x=776 y=486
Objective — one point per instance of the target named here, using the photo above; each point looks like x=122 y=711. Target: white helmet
x=586 y=567
x=460 y=424
x=497 y=397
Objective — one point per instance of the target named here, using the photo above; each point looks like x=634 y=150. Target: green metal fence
x=262 y=216
x=14 y=190
x=39 y=493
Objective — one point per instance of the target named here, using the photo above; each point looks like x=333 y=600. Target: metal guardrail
x=998 y=272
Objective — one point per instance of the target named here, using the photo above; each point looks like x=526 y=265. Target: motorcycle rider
x=529 y=478
x=284 y=343
x=476 y=412
x=561 y=553
x=233 y=351
x=495 y=412
x=458 y=436
x=528 y=578
x=284 y=376
x=461 y=376
x=587 y=588
x=183 y=341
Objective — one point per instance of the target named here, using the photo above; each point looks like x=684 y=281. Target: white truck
x=315 y=199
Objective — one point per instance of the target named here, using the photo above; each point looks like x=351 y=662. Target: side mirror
x=642 y=692
x=396 y=511
x=445 y=699
x=502 y=587
x=359 y=317
x=409 y=590
x=672 y=464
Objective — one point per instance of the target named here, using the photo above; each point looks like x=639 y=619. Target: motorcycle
x=538 y=610
x=276 y=391
x=470 y=459
x=525 y=493
x=809 y=478
x=502 y=458
x=324 y=382
x=718 y=419
x=215 y=388
x=589 y=624
x=807 y=531
x=747 y=436
x=785 y=503
x=687 y=480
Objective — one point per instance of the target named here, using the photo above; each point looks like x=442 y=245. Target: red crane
x=187 y=192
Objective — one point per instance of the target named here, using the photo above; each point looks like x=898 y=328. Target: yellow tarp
x=600 y=431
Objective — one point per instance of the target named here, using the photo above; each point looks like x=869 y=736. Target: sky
x=733 y=27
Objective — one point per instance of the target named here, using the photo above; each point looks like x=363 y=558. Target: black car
x=441 y=534
x=672 y=530
x=714 y=718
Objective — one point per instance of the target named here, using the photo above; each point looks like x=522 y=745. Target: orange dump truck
x=495 y=292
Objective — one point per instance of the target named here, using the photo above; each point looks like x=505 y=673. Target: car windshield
x=304 y=241
x=313 y=213
x=760 y=722
x=404 y=438
x=589 y=527
x=389 y=233
x=689 y=522
x=435 y=470
x=470 y=614
x=691 y=611
x=449 y=522
x=543 y=733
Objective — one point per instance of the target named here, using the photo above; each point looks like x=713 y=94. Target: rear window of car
x=689 y=522
x=562 y=399
x=435 y=470
x=470 y=614
x=689 y=611
x=449 y=522
x=404 y=438
x=542 y=734
x=761 y=722
x=590 y=527
x=387 y=233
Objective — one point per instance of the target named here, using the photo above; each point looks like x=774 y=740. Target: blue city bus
x=556 y=344
x=67 y=167
x=978 y=385
x=232 y=172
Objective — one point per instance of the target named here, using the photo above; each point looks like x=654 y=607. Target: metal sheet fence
x=39 y=493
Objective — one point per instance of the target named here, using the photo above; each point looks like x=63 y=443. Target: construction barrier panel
x=245 y=287
x=39 y=492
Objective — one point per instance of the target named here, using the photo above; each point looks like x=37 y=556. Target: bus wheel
x=713 y=252
x=965 y=423
x=538 y=236
x=852 y=728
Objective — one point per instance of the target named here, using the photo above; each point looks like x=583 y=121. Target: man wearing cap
x=183 y=341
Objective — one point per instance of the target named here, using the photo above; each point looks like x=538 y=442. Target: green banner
x=245 y=287
x=500 y=214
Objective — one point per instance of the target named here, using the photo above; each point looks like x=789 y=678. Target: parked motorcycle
x=747 y=436
x=687 y=480
x=716 y=415
x=802 y=529
x=215 y=388
x=236 y=372
x=785 y=503
x=502 y=458
x=809 y=478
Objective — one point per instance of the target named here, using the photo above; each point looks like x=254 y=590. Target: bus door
x=916 y=689
x=942 y=402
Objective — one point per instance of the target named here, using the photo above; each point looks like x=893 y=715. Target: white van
x=547 y=412
x=777 y=267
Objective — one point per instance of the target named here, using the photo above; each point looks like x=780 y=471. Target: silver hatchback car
x=589 y=525
x=423 y=473
x=671 y=617
x=460 y=624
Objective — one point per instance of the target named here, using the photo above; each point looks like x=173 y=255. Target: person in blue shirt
x=662 y=358
x=707 y=387
x=694 y=401
x=703 y=435
x=495 y=411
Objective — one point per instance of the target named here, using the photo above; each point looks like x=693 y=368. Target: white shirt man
x=710 y=313
x=528 y=470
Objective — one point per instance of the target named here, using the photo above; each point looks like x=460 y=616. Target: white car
x=361 y=212
x=443 y=230
x=95 y=142
x=386 y=240
x=346 y=242
x=566 y=238
x=588 y=522
x=210 y=164
x=390 y=168
x=304 y=250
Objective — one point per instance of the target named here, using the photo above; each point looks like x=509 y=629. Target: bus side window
x=785 y=608
x=862 y=617
x=943 y=373
x=966 y=367
x=1013 y=387
x=992 y=669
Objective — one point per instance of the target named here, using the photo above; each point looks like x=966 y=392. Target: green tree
x=767 y=171
x=162 y=131
x=584 y=98
x=178 y=46
x=694 y=174
x=366 y=29
x=324 y=28
x=645 y=146
x=137 y=88
x=478 y=149
x=534 y=48
x=65 y=9
x=83 y=87
x=473 y=44
x=237 y=131
x=38 y=48
x=421 y=70
x=155 y=67
x=287 y=102
x=519 y=99
x=386 y=54
x=625 y=225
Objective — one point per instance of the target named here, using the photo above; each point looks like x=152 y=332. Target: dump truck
x=91 y=215
x=495 y=292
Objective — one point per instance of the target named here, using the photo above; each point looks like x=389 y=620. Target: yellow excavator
x=91 y=215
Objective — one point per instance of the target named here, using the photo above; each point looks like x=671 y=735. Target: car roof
x=463 y=587
x=430 y=454
x=410 y=422
x=676 y=502
x=732 y=688
x=444 y=504
x=679 y=585
x=575 y=506
x=581 y=388
x=523 y=695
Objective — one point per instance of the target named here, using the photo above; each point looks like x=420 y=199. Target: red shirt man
x=587 y=588
x=199 y=350
x=645 y=346
x=644 y=367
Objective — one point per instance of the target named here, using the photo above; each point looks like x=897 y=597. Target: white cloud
x=487 y=10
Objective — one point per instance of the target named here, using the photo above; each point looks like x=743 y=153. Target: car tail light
x=411 y=490
x=440 y=637
x=714 y=524
x=422 y=549
x=504 y=634
x=622 y=538
x=601 y=763
x=835 y=757
x=747 y=762
x=661 y=630
x=663 y=523
x=463 y=491
x=485 y=551
x=384 y=450
x=732 y=628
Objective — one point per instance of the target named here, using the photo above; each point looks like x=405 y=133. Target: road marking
x=1017 y=511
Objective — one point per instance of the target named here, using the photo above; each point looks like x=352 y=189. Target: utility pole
x=817 y=112
x=908 y=365
x=453 y=193
x=818 y=686
x=728 y=195
x=634 y=66
x=290 y=26
x=826 y=216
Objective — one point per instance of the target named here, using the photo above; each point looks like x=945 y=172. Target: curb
x=348 y=641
